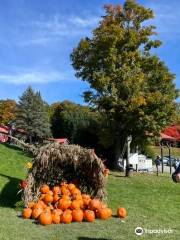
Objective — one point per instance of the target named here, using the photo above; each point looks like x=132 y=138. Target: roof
x=59 y=140
x=4 y=129
x=172 y=131
x=166 y=137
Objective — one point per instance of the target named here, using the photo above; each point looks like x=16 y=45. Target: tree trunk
x=129 y=139
x=118 y=153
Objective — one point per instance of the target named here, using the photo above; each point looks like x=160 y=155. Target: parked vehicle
x=165 y=160
x=172 y=161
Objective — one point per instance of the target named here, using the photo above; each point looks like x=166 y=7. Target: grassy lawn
x=152 y=202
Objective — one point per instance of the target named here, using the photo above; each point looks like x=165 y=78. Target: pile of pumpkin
x=65 y=203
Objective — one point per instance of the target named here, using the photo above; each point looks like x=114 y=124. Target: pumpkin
x=26 y=213
x=89 y=215
x=66 y=217
x=45 y=218
x=94 y=204
x=64 y=204
x=56 y=198
x=85 y=196
x=86 y=202
x=48 y=198
x=56 y=217
x=44 y=188
x=75 y=204
x=31 y=204
x=59 y=211
x=103 y=213
x=66 y=197
x=65 y=191
x=56 y=190
x=77 y=215
x=36 y=212
x=71 y=186
x=121 y=212
x=41 y=204
x=75 y=191
x=51 y=192
x=109 y=211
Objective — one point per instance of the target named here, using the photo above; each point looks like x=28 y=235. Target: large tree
x=129 y=84
x=32 y=115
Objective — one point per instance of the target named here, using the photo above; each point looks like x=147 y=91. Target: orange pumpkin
x=77 y=215
x=26 y=214
x=75 y=191
x=71 y=186
x=85 y=196
x=36 y=212
x=44 y=188
x=48 y=198
x=56 y=217
x=66 y=217
x=31 y=204
x=103 y=213
x=66 y=197
x=56 y=198
x=121 y=212
x=45 y=218
x=64 y=204
x=41 y=204
x=75 y=204
x=56 y=190
x=109 y=211
x=86 y=202
x=65 y=190
x=89 y=215
x=94 y=204
x=58 y=211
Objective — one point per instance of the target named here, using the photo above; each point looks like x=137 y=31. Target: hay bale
x=66 y=162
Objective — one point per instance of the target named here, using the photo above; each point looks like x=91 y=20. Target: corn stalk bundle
x=66 y=163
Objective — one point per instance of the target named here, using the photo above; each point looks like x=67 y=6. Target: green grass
x=152 y=202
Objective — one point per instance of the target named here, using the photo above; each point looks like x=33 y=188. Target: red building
x=3 y=134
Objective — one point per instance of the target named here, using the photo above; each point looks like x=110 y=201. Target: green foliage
x=77 y=123
x=129 y=84
x=32 y=115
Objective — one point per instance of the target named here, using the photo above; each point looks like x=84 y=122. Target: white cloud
x=42 y=32
x=29 y=77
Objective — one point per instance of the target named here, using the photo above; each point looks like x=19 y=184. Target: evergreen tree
x=32 y=115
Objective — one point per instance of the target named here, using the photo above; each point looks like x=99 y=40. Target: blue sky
x=37 y=37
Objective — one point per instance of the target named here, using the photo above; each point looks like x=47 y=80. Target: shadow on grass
x=89 y=238
x=116 y=175
x=8 y=195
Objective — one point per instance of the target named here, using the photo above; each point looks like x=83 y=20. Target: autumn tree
x=32 y=115
x=8 y=109
x=129 y=84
